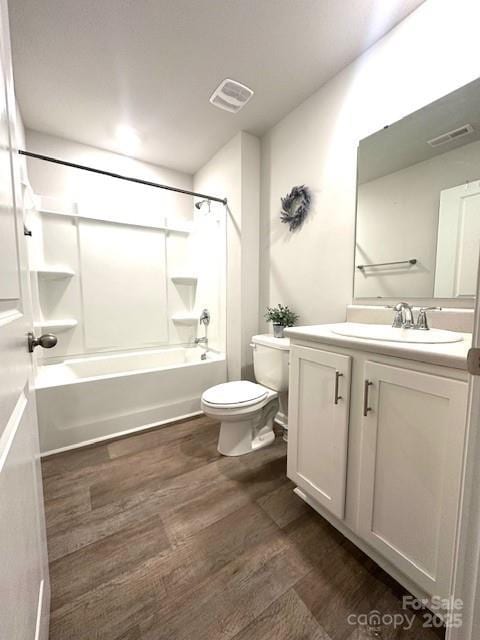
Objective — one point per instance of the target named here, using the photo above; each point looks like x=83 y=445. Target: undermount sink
x=390 y=334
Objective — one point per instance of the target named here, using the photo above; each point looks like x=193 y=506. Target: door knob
x=47 y=341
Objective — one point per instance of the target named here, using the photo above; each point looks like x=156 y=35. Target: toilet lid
x=234 y=393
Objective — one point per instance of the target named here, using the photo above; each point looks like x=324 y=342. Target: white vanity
x=376 y=443
x=377 y=415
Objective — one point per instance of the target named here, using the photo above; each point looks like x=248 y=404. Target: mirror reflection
x=418 y=203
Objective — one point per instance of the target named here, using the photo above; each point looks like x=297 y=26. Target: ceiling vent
x=464 y=130
x=231 y=96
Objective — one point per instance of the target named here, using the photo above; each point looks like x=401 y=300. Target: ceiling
x=84 y=67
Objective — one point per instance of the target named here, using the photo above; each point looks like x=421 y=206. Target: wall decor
x=295 y=207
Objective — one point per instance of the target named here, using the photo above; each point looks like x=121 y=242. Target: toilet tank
x=270 y=361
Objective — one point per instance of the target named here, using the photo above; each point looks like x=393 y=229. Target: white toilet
x=246 y=409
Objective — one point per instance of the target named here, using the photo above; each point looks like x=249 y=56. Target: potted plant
x=281 y=317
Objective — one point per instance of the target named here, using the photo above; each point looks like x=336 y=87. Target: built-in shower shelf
x=54 y=206
x=178 y=226
x=191 y=280
x=56 y=325
x=185 y=318
x=54 y=273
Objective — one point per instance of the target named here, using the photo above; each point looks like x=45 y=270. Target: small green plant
x=281 y=315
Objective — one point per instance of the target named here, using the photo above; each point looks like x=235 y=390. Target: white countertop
x=452 y=354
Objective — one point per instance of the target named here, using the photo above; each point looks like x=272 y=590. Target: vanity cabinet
x=411 y=464
x=318 y=425
x=376 y=446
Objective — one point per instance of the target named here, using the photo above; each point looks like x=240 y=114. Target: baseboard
x=42 y=621
x=282 y=420
x=119 y=434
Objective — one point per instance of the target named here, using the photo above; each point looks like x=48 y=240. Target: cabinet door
x=411 y=466
x=319 y=398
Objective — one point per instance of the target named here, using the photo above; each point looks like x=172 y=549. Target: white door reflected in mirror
x=458 y=241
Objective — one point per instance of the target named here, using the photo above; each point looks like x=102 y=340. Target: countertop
x=452 y=354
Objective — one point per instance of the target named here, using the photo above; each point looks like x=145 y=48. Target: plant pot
x=278 y=330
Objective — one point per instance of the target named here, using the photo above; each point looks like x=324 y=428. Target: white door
x=319 y=399
x=411 y=466
x=466 y=588
x=458 y=241
x=24 y=590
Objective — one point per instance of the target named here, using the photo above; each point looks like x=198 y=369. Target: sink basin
x=390 y=334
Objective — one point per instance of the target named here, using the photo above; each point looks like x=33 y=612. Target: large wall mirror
x=418 y=203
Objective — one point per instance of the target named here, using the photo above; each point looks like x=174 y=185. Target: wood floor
x=156 y=536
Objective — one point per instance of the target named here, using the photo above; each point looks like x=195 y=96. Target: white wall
x=434 y=51
x=100 y=193
x=233 y=172
x=398 y=219
x=250 y=246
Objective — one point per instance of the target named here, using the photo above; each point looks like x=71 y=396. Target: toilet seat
x=237 y=394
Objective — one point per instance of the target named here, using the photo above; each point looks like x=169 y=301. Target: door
x=319 y=399
x=458 y=241
x=466 y=587
x=411 y=466
x=24 y=591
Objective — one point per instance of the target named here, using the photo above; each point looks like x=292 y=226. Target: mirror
x=418 y=203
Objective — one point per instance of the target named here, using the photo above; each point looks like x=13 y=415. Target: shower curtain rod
x=102 y=172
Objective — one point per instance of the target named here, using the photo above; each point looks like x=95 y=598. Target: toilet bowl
x=247 y=409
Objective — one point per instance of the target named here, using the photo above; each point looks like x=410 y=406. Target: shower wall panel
x=123 y=281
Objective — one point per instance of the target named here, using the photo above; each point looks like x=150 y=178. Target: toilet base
x=236 y=438
x=239 y=436
x=264 y=438
x=244 y=427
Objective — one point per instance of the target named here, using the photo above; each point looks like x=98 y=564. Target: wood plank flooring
x=158 y=537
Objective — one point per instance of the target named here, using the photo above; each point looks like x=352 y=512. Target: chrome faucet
x=403 y=316
x=205 y=320
x=204 y=341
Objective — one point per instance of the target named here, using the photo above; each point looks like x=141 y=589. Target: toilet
x=247 y=409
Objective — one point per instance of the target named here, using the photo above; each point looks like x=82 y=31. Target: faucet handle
x=205 y=317
x=398 y=318
x=422 y=320
x=403 y=318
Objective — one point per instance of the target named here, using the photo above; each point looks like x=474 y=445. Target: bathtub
x=83 y=400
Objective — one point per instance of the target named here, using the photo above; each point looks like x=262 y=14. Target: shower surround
x=121 y=276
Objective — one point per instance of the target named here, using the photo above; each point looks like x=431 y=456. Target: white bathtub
x=87 y=399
